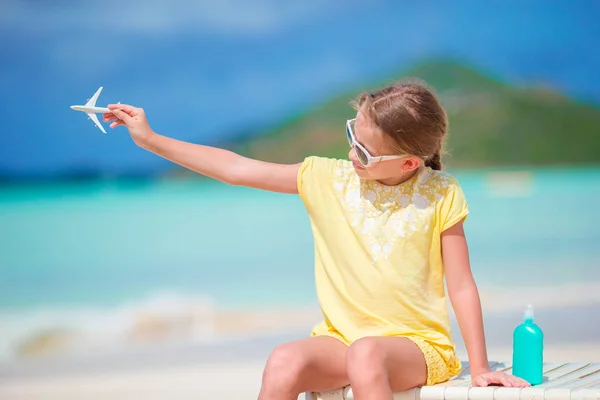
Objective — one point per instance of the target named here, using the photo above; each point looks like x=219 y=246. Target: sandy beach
x=232 y=380
x=231 y=368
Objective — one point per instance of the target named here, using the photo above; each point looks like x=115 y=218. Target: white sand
x=235 y=381
x=216 y=381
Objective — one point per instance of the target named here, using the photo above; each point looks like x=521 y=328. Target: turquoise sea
x=84 y=250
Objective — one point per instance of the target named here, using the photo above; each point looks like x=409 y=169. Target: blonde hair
x=412 y=116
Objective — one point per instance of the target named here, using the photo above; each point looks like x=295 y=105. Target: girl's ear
x=411 y=163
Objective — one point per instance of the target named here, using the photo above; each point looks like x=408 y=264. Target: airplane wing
x=92 y=101
x=95 y=119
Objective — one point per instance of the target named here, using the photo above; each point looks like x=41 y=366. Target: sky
x=206 y=71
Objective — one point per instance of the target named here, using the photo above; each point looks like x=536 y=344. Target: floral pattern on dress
x=384 y=215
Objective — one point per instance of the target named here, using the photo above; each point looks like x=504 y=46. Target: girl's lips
x=358 y=166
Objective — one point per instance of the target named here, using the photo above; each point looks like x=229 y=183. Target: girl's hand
x=131 y=117
x=498 y=378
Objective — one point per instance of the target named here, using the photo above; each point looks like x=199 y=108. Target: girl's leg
x=313 y=364
x=379 y=366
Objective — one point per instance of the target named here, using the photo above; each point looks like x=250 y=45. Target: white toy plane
x=90 y=109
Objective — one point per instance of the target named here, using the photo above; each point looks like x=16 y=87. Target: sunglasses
x=362 y=154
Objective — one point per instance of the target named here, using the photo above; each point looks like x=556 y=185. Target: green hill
x=491 y=124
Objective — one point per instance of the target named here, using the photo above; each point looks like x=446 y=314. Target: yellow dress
x=378 y=258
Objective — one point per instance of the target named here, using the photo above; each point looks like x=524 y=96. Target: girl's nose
x=352 y=155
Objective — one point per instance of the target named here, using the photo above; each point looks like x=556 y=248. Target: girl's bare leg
x=379 y=366
x=313 y=364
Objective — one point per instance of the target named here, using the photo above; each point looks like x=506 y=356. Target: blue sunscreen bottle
x=528 y=350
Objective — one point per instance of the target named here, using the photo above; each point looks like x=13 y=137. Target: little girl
x=388 y=226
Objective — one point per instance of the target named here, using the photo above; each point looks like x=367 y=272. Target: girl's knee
x=284 y=368
x=365 y=361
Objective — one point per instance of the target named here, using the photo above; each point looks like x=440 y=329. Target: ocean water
x=100 y=254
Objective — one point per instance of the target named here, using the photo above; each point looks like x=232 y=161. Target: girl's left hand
x=498 y=378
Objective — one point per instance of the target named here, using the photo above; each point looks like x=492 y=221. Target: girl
x=388 y=226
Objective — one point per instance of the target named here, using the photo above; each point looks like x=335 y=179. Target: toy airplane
x=90 y=109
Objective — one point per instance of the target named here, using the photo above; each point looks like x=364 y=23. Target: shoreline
x=206 y=324
x=564 y=327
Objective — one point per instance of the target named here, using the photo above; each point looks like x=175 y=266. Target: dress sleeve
x=454 y=207
x=315 y=177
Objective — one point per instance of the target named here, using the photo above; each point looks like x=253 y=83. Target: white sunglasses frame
x=371 y=160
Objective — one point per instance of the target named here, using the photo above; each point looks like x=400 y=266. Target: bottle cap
x=528 y=314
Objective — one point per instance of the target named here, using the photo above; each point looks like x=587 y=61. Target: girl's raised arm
x=216 y=163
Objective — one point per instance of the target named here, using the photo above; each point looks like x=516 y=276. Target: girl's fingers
x=124 y=107
x=109 y=117
x=122 y=115
x=506 y=382
x=117 y=123
x=518 y=382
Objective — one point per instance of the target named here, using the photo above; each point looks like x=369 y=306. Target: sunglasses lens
x=362 y=157
x=349 y=136
x=360 y=154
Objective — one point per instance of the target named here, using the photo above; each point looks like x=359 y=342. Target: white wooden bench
x=562 y=381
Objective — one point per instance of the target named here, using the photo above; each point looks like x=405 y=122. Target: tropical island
x=492 y=124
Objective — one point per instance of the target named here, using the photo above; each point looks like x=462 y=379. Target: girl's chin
x=362 y=173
